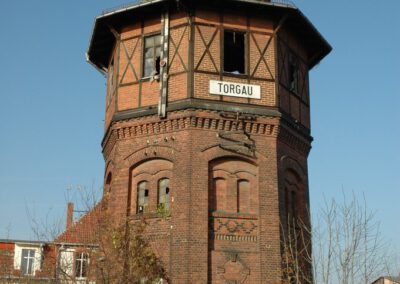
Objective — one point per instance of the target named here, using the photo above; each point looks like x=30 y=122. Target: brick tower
x=207 y=129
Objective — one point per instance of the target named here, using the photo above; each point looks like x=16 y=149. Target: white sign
x=235 y=89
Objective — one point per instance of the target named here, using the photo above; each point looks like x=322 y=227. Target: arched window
x=243 y=196
x=293 y=194
x=233 y=186
x=163 y=193
x=150 y=187
x=142 y=196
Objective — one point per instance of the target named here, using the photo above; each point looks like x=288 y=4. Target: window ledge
x=235 y=75
x=156 y=78
x=148 y=215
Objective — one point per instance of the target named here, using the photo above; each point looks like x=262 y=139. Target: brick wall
x=199 y=245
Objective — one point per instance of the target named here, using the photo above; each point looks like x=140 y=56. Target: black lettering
x=244 y=91
x=238 y=91
x=226 y=88
x=232 y=88
x=220 y=87
x=250 y=91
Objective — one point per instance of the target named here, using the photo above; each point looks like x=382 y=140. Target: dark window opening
x=152 y=53
x=234 y=52
x=293 y=74
x=158 y=59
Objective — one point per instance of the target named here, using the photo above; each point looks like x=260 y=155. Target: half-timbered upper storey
x=247 y=56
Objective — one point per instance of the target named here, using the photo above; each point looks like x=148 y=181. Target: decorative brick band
x=189 y=120
x=294 y=141
x=234 y=238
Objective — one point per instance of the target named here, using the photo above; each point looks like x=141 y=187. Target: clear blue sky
x=52 y=103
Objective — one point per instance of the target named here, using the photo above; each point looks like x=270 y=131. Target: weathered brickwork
x=203 y=238
x=218 y=176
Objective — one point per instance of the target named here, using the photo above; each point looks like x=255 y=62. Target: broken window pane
x=163 y=193
x=152 y=53
x=142 y=196
x=234 y=52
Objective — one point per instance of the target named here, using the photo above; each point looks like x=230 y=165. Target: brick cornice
x=294 y=138
x=286 y=132
x=198 y=104
x=187 y=119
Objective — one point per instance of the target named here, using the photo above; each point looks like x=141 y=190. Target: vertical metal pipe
x=162 y=105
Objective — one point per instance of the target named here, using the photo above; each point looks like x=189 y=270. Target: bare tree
x=348 y=247
x=124 y=254
x=119 y=253
x=296 y=252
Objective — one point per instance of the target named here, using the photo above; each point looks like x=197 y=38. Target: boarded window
x=219 y=195
x=291 y=202
x=243 y=196
x=164 y=193
x=152 y=53
x=234 y=52
x=143 y=196
x=233 y=186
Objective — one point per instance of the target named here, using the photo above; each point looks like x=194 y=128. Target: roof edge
x=108 y=15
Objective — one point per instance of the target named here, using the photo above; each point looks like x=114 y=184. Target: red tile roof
x=85 y=230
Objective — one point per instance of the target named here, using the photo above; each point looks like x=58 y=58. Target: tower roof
x=102 y=40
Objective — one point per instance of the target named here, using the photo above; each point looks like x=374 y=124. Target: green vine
x=162 y=211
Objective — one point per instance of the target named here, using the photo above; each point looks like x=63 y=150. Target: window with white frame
x=27 y=258
x=81 y=264
x=66 y=261
x=27 y=262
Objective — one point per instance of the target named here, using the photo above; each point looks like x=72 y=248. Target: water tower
x=207 y=129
